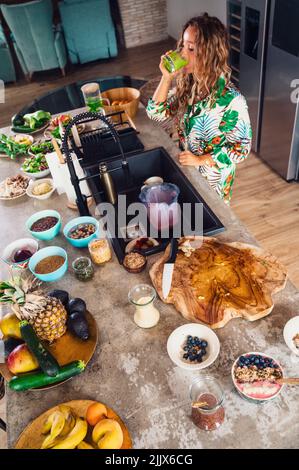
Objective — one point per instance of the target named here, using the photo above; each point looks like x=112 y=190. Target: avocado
x=17 y=120
x=10 y=344
x=61 y=295
x=78 y=325
x=77 y=305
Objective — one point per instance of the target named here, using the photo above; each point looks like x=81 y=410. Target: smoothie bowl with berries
x=256 y=376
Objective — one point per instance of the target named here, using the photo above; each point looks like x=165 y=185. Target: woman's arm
x=163 y=103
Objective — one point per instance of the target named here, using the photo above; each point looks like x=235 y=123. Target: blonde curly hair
x=211 y=59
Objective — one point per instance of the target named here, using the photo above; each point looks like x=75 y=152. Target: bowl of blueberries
x=193 y=346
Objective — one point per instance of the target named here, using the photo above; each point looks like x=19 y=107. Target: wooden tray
x=31 y=437
x=66 y=349
x=221 y=281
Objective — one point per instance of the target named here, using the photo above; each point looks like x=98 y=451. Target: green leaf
x=229 y=120
x=223 y=158
x=224 y=100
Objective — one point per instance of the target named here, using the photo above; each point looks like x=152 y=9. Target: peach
x=107 y=434
x=21 y=360
x=95 y=412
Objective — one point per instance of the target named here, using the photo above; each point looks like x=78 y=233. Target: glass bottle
x=142 y=297
x=207 y=403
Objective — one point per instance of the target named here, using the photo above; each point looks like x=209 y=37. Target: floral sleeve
x=235 y=134
x=160 y=111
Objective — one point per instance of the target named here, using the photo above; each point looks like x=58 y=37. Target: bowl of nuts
x=81 y=230
x=134 y=262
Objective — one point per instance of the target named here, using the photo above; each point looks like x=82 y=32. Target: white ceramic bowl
x=38 y=174
x=32 y=184
x=290 y=330
x=18 y=138
x=178 y=338
x=247 y=396
x=22 y=243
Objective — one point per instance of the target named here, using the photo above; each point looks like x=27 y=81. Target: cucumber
x=40 y=379
x=46 y=361
x=25 y=129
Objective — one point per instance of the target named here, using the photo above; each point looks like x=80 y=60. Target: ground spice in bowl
x=49 y=264
x=43 y=224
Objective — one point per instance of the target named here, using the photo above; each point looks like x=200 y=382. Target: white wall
x=180 y=11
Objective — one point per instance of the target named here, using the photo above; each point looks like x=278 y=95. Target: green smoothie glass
x=92 y=97
x=174 y=61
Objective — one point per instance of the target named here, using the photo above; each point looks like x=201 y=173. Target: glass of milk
x=142 y=296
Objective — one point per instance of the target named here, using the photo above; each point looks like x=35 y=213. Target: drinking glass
x=174 y=61
x=93 y=98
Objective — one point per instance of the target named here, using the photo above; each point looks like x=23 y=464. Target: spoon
x=288 y=381
x=199 y=404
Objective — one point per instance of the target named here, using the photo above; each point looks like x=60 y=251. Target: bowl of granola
x=291 y=334
x=256 y=377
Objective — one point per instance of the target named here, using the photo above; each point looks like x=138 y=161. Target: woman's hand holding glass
x=165 y=73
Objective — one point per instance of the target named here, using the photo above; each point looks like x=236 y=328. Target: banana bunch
x=63 y=429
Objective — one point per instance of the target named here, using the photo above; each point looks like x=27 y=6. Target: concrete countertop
x=131 y=370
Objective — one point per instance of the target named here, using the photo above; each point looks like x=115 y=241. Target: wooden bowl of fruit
x=54 y=340
x=122 y=99
x=77 y=424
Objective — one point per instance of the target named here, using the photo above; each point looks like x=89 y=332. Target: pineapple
x=47 y=315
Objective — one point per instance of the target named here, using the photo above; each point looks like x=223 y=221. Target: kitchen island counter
x=131 y=370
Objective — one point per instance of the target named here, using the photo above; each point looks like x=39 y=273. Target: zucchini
x=40 y=379
x=46 y=361
x=22 y=129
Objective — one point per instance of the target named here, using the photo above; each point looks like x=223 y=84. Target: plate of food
x=43 y=147
x=141 y=244
x=256 y=377
x=13 y=187
x=36 y=166
x=14 y=146
x=77 y=424
x=30 y=123
x=53 y=130
x=48 y=340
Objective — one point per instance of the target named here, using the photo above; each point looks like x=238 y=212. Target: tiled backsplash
x=143 y=21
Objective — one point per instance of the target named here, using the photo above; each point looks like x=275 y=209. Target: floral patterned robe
x=220 y=128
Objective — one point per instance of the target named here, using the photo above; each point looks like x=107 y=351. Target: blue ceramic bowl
x=44 y=253
x=82 y=242
x=47 y=234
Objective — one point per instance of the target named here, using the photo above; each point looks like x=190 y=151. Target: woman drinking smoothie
x=211 y=115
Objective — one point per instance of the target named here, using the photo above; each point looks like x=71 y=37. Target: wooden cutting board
x=31 y=437
x=221 y=281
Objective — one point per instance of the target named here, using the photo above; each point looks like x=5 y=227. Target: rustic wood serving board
x=31 y=437
x=221 y=281
x=66 y=349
